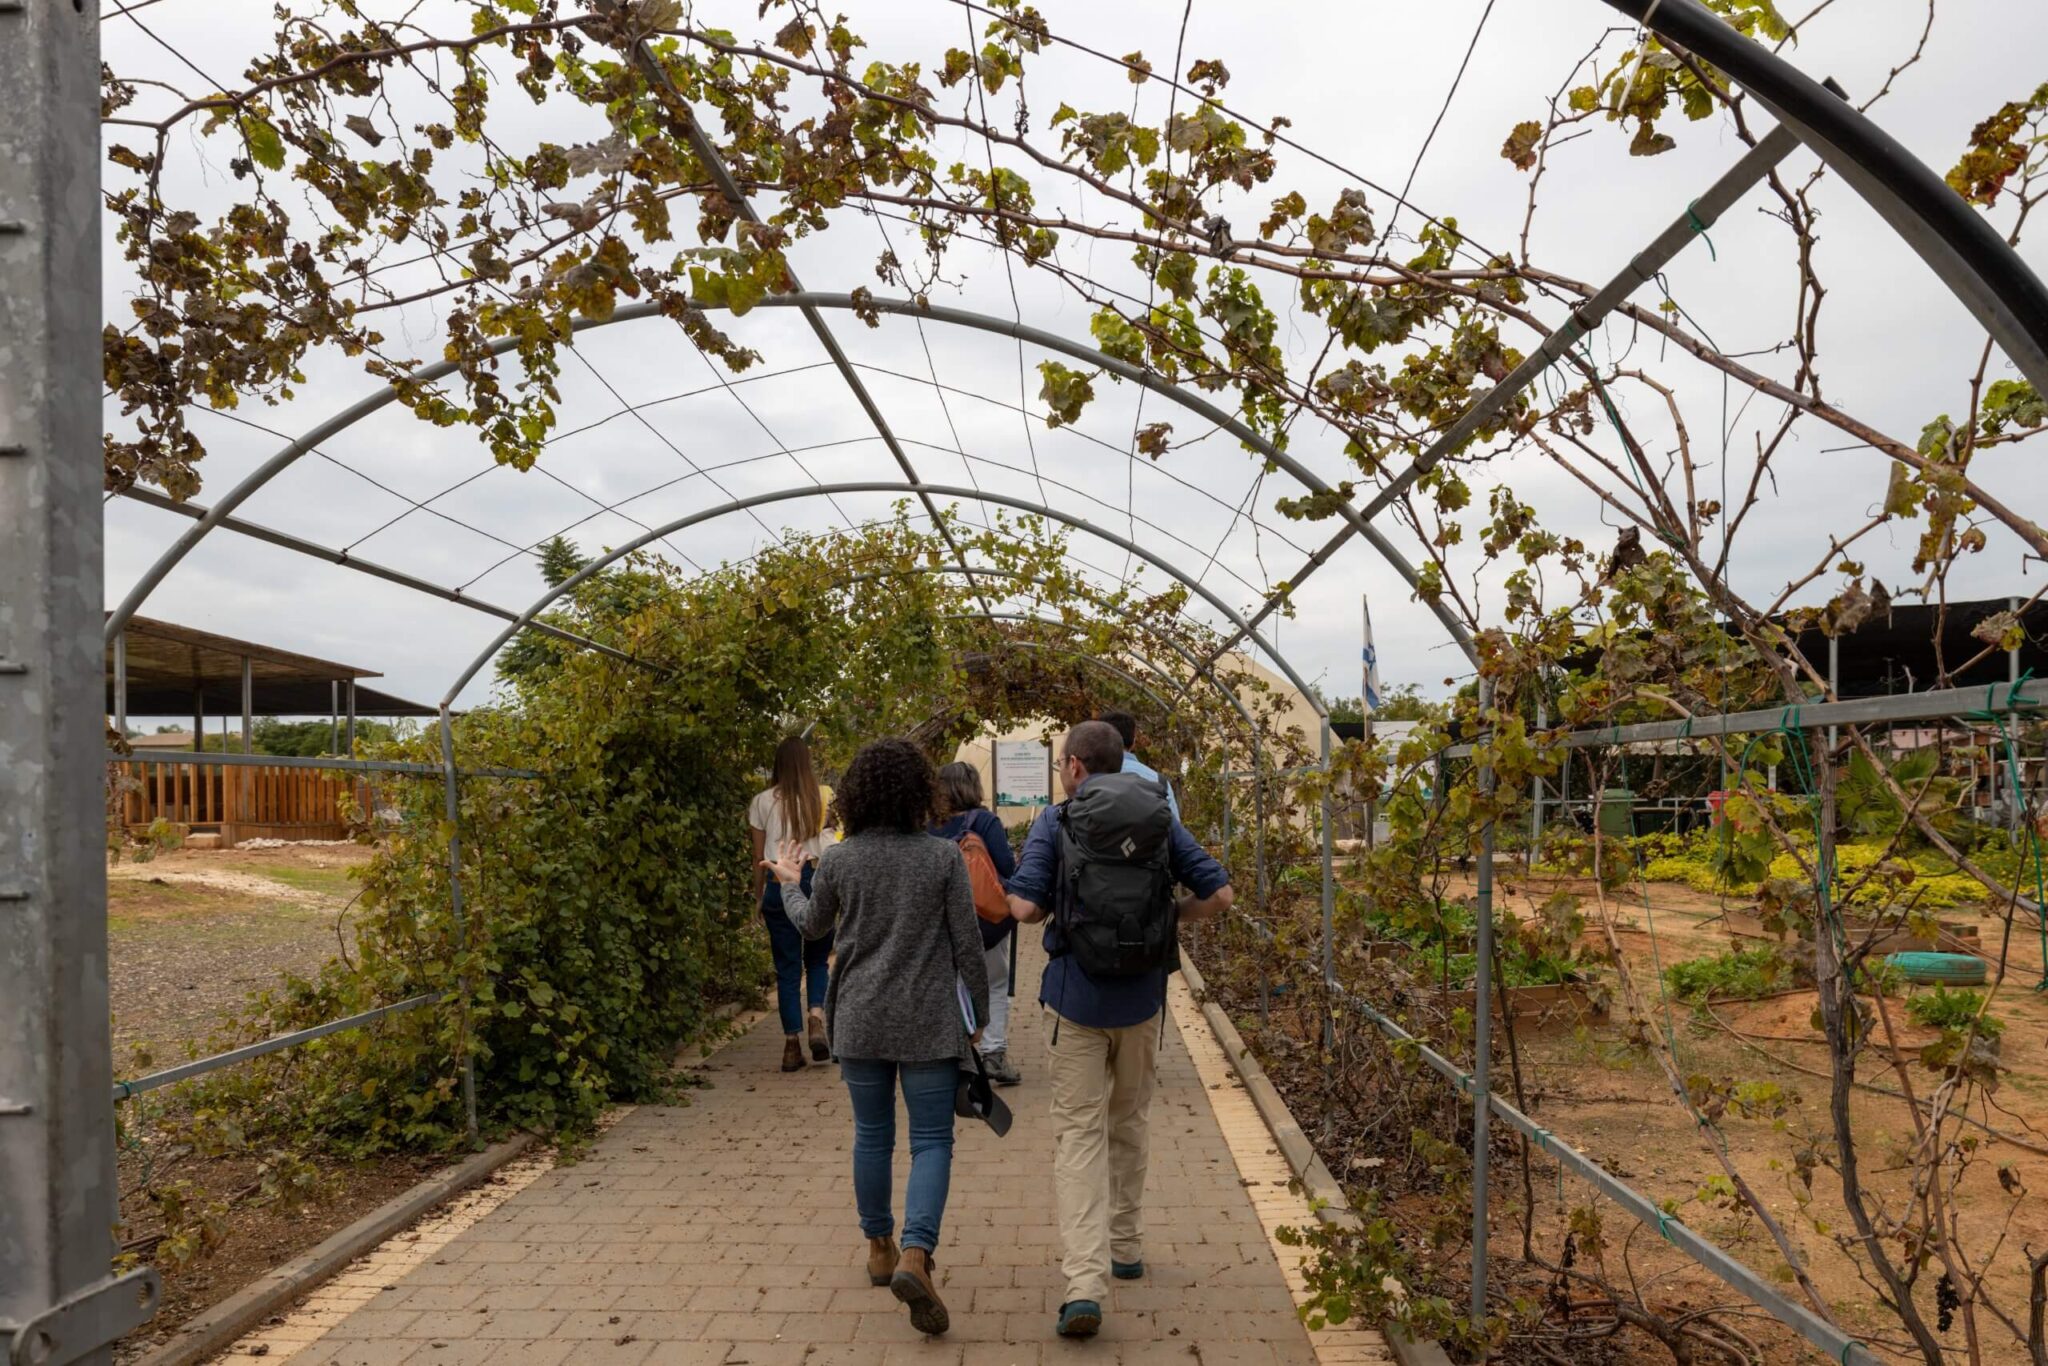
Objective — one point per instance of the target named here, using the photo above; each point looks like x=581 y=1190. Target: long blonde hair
x=796 y=790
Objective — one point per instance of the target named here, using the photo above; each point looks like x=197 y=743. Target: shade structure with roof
x=159 y=668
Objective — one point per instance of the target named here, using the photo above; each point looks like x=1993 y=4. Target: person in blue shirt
x=1104 y=1051
x=1126 y=727
x=958 y=807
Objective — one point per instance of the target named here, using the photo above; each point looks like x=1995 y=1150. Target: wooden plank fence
x=239 y=802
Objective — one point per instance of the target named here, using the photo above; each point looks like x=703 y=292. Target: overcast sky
x=1361 y=83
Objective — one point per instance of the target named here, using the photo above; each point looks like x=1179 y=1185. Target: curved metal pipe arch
x=1194 y=661
x=372 y=403
x=950 y=491
x=1956 y=242
x=1068 y=652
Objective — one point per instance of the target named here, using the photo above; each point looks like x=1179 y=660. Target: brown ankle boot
x=912 y=1284
x=882 y=1258
x=792 y=1053
x=821 y=1050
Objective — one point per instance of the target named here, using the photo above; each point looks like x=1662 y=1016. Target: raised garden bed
x=1952 y=936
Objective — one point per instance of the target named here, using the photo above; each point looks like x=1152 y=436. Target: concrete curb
x=1314 y=1174
x=221 y=1326
x=1315 y=1177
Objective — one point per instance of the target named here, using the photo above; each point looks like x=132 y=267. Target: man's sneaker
x=1080 y=1319
x=999 y=1069
x=1127 y=1271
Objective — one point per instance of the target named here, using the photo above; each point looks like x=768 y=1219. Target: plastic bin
x=1617 y=812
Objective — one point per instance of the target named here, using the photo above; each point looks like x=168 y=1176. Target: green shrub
x=1944 y=1009
x=1740 y=975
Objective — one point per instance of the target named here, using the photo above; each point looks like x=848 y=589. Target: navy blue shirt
x=982 y=821
x=1101 y=1003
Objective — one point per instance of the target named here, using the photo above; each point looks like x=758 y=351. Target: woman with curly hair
x=901 y=911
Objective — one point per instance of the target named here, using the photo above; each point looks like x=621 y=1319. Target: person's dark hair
x=888 y=786
x=1097 y=745
x=1124 y=724
x=958 y=790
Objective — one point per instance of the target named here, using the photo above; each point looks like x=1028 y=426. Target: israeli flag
x=1371 y=658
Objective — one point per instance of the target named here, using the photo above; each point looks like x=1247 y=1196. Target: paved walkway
x=722 y=1233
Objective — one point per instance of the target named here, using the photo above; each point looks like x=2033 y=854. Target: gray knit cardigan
x=901 y=912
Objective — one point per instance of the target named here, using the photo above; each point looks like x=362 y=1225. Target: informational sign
x=1023 y=773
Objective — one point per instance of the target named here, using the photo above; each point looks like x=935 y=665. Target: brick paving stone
x=722 y=1233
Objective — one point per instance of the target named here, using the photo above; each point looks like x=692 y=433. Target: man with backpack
x=1103 y=866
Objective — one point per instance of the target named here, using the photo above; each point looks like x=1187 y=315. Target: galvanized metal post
x=198 y=719
x=348 y=734
x=1536 y=796
x=334 y=718
x=1834 y=686
x=58 y=1200
x=1329 y=891
x=121 y=684
x=453 y=807
x=1482 y=1032
x=248 y=707
x=2016 y=797
x=1564 y=788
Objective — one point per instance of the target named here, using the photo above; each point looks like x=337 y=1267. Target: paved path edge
x=1331 y=1204
x=202 y=1336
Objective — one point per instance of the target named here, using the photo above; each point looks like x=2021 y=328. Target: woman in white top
x=793 y=809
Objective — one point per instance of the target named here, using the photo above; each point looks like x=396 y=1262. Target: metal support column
x=334 y=718
x=2017 y=797
x=1329 y=889
x=58 y=1203
x=1482 y=1033
x=121 y=684
x=1536 y=796
x=453 y=807
x=348 y=734
x=1834 y=687
x=248 y=707
x=198 y=719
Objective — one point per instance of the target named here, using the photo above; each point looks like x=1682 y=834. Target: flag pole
x=1368 y=701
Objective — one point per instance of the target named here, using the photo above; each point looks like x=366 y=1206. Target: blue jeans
x=795 y=959
x=928 y=1096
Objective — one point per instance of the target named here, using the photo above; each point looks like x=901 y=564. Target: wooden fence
x=237 y=801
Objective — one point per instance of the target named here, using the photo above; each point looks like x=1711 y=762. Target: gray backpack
x=1115 y=908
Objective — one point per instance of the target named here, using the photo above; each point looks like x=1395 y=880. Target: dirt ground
x=1617 y=1106
x=191 y=935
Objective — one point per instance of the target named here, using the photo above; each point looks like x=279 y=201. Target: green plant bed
x=1928 y=880
x=1738 y=975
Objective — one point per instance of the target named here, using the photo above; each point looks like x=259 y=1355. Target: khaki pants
x=1101 y=1101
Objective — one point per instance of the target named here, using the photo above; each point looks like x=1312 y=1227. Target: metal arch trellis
x=452 y=798
x=1959 y=247
x=356 y=412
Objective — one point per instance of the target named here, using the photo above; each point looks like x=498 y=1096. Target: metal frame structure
x=56 y=1172
x=60 y=1300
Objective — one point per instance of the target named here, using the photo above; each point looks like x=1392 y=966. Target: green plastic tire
x=1948 y=969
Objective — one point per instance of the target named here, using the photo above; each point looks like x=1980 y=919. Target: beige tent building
x=1026 y=752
